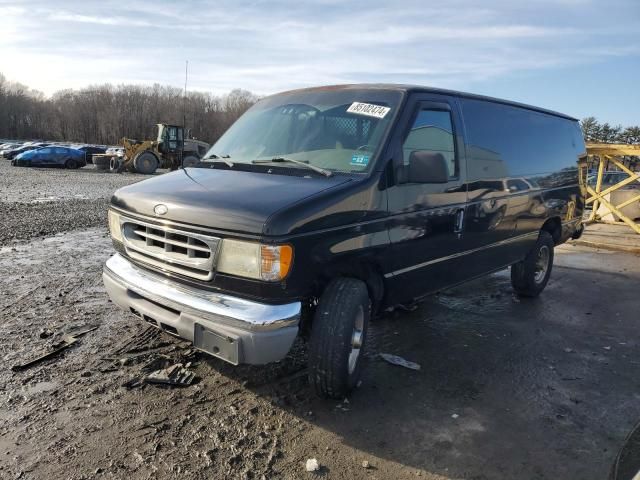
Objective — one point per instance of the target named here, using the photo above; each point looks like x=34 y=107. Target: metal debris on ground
x=401 y=362
x=365 y=464
x=312 y=465
x=176 y=375
x=66 y=342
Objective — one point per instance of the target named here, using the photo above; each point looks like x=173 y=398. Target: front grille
x=166 y=248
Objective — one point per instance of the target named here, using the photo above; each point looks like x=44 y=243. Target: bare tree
x=105 y=113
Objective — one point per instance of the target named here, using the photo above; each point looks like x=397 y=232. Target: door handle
x=459 y=222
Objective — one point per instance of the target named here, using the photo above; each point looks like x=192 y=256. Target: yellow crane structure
x=627 y=159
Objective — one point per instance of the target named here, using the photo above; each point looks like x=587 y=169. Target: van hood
x=231 y=200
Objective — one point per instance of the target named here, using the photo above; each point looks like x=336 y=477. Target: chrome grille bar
x=165 y=248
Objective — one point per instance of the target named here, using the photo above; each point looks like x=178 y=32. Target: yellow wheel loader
x=170 y=150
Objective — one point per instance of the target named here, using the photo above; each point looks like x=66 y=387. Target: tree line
x=103 y=114
x=595 y=131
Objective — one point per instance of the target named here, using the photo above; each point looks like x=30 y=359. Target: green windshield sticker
x=360 y=160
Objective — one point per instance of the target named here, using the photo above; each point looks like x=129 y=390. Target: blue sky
x=580 y=57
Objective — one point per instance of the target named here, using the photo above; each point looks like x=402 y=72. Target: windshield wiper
x=224 y=158
x=322 y=171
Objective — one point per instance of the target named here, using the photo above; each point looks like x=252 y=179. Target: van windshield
x=334 y=129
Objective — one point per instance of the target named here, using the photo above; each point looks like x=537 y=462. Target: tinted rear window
x=506 y=141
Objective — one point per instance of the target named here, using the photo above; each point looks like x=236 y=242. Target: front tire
x=338 y=336
x=145 y=162
x=530 y=276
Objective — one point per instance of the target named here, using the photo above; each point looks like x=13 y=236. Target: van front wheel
x=530 y=276
x=338 y=337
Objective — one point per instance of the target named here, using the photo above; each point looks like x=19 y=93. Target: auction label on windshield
x=368 y=109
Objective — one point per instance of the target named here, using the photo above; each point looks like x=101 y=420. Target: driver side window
x=432 y=131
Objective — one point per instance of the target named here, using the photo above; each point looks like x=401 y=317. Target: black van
x=320 y=207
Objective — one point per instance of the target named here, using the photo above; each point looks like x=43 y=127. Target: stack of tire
x=102 y=162
x=115 y=164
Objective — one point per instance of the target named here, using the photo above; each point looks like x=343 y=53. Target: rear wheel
x=189 y=161
x=114 y=164
x=146 y=163
x=71 y=164
x=338 y=337
x=530 y=276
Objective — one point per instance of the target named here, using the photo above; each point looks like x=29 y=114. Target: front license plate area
x=226 y=347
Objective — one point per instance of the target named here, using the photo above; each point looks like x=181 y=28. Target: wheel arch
x=366 y=270
x=553 y=225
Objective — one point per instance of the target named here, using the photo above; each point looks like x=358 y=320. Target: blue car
x=52 y=156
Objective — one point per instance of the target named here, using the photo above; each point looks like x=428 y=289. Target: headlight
x=254 y=260
x=114 y=226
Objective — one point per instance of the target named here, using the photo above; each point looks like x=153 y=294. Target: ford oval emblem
x=160 y=209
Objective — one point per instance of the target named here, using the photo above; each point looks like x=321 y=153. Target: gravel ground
x=541 y=389
x=29 y=185
x=36 y=202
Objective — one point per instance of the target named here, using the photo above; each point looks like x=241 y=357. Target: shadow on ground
x=508 y=388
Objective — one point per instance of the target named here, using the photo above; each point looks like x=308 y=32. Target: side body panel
x=522 y=168
x=423 y=218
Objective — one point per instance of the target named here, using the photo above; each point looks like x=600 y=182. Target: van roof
x=423 y=89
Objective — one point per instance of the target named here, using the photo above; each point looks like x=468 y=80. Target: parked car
x=51 y=157
x=610 y=178
x=11 y=154
x=118 y=151
x=8 y=145
x=5 y=147
x=320 y=207
x=89 y=151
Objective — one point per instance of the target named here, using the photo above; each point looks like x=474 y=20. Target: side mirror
x=426 y=166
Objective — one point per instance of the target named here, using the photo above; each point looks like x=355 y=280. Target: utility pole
x=184 y=97
x=184 y=112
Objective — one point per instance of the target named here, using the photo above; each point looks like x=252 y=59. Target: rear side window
x=432 y=130
x=517 y=185
x=507 y=141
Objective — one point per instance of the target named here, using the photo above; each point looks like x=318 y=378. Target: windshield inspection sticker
x=368 y=109
x=360 y=160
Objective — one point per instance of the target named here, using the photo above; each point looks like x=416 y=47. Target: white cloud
x=115 y=21
x=277 y=45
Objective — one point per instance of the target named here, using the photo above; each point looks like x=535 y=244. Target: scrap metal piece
x=176 y=375
x=401 y=362
x=66 y=342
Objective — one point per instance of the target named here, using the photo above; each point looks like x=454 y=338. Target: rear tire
x=71 y=164
x=530 y=276
x=114 y=164
x=338 y=336
x=145 y=162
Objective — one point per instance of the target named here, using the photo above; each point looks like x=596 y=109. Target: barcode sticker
x=368 y=109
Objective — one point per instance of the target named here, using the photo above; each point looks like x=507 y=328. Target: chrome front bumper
x=231 y=328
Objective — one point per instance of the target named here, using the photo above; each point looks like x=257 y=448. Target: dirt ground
x=540 y=389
